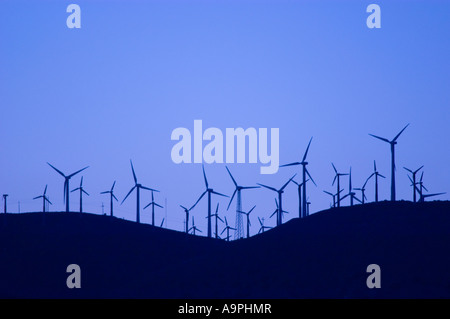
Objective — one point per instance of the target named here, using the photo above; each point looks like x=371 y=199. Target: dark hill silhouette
x=322 y=256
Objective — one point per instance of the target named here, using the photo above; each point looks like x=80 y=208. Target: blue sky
x=116 y=88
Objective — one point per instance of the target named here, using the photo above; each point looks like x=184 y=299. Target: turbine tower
x=392 y=143
x=186 y=210
x=227 y=228
x=194 y=228
x=4 y=202
x=277 y=210
x=350 y=190
x=334 y=196
x=44 y=199
x=208 y=191
x=81 y=189
x=363 y=192
x=138 y=187
x=280 y=197
x=111 y=196
x=304 y=173
x=413 y=173
x=239 y=233
x=248 y=219
x=153 y=204
x=300 y=187
x=217 y=218
x=376 y=174
x=337 y=177
x=66 y=183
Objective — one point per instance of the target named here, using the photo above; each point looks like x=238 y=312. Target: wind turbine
x=300 y=186
x=81 y=189
x=392 y=143
x=350 y=190
x=304 y=173
x=334 y=196
x=138 y=188
x=4 y=202
x=277 y=210
x=262 y=228
x=363 y=190
x=308 y=203
x=413 y=173
x=66 y=183
x=337 y=177
x=153 y=204
x=239 y=227
x=227 y=228
x=44 y=199
x=186 y=210
x=208 y=191
x=248 y=219
x=194 y=228
x=422 y=187
x=217 y=217
x=111 y=196
x=280 y=197
x=376 y=174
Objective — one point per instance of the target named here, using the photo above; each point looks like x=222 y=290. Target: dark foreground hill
x=322 y=256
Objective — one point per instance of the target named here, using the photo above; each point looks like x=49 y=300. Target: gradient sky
x=116 y=88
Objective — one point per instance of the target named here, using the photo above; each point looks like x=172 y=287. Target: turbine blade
x=147 y=205
x=397 y=136
x=201 y=196
x=62 y=174
x=276 y=210
x=415 y=172
x=382 y=176
x=232 y=196
x=312 y=180
x=128 y=194
x=334 y=179
x=234 y=181
x=134 y=174
x=408 y=170
x=328 y=193
x=73 y=190
x=114 y=184
x=268 y=187
x=45 y=190
x=291 y=164
x=159 y=205
x=105 y=192
x=251 y=210
x=307 y=149
x=214 y=192
x=45 y=198
x=38 y=197
x=284 y=186
x=114 y=197
x=334 y=167
x=183 y=207
x=150 y=189
x=85 y=192
x=249 y=187
x=73 y=174
x=204 y=175
x=381 y=138
x=260 y=221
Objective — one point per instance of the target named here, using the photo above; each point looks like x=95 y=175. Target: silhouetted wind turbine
x=227 y=228
x=186 y=210
x=194 y=228
x=81 y=189
x=300 y=187
x=153 y=204
x=162 y=223
x=392 y=143
x=216 y=215
x=111 y=196
x=138 y=188
x=66 y=183
x=248 y=219
x=420 y=183
x=350 y=190
x=239 y=231
x=262 y=228
x=363 y=190
x=376 y=174
x=44 y=199
x=413 y=173
x=337 y=177
x=4 y=202
x=334 y=196
x=208 y=191
x=304 y=173
x=277 y=210
x=280 y=197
